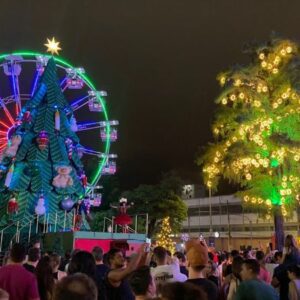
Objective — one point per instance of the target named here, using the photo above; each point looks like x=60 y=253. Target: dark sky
x=157 y=59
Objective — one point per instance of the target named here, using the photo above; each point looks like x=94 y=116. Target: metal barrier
x=54 y=223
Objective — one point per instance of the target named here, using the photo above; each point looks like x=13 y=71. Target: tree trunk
x=279 y=231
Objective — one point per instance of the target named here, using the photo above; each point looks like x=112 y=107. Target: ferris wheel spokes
x=13 y=68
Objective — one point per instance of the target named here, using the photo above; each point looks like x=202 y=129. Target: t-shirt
x=208 y=287
x=280 y=273
x=101 y=271
x=18 y=282
x=167 y=273
x=264 y=275
x=29 y=268
x=255 y=290
x=122 y=292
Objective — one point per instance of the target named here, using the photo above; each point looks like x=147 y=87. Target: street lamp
x=217 y=234
x=251 y=229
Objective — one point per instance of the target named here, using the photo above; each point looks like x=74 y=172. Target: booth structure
x=87 y=240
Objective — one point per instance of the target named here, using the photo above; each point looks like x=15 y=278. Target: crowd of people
x=198 y=273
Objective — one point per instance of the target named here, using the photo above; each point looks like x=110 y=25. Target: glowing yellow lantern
x=224 y=101
x=264 y=64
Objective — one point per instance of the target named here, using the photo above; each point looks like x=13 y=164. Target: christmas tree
x=41 y=172
x=257 y=136
x=164 y=239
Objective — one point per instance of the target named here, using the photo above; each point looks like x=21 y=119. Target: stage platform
x=87 y=240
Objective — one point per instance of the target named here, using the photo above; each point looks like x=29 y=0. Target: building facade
x=223 y=221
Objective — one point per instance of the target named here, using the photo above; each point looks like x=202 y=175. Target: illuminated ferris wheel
x=19 y=76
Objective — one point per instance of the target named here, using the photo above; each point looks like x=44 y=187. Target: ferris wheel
x=19 y=76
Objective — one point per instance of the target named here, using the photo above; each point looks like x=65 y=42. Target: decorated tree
x=257 y=136
x=163 y=237
x=41 y=171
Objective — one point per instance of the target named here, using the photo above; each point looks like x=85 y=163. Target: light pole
x=210 y=216
x=251 y=228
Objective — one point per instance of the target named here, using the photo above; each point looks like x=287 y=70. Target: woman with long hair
x=236 y=277
x=45 y=278
x=290 y=251
x=84 y=262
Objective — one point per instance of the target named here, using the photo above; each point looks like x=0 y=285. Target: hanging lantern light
x=42 y=140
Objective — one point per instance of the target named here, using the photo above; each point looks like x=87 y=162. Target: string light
x=164 y=237
x=247 y=149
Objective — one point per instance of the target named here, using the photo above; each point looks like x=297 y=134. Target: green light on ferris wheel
x=64 y=63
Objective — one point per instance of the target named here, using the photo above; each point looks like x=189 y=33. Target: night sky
x=158 y=60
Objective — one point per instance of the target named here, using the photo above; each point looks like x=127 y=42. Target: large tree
x=160 y=201
x=256 y=130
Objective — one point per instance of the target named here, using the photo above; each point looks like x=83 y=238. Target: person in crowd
x=32 y=260
x=212 y=272
x=277 y=257
x=76 y=287
x=166 y=270
x=294 y=285
x=65 y=261
x=45 y=278
x=235 y=279
x=280 y=278
x=263 y=273
x=101 y=268
x=36 y=244
x=15 y=279
x=290 y=251
x=222 y=262
x=74 y=252
x=197 y=259
x=4 y=295
x=183 y=291
x=182 y=263
x=83 y=262
x=227 y=270
x=251 y=287
x=116 y=284
x=247 y=254
x=55 y=261
x=142 y=283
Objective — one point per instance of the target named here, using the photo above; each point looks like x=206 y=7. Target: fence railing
x=110 y=226
x=54 y=222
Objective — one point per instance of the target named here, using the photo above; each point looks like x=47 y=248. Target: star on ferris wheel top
x=52 y=46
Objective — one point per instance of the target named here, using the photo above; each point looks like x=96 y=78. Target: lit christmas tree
x=164 y=239
x=257 y=132
x=40 y=170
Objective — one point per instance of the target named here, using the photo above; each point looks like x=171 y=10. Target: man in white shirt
x=167 y=270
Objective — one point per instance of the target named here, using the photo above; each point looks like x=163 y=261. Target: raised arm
x=116 y=276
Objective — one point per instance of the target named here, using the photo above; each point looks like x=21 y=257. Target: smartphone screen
x=148 y=241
